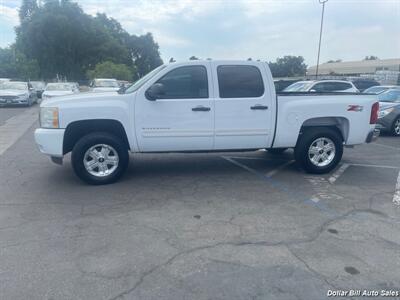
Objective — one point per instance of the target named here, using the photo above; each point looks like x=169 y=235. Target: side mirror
x=155 y=92
x=122 y=89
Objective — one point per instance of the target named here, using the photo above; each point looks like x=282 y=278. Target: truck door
x=243 y=106
x=183 y=117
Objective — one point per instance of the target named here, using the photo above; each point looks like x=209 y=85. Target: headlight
x=385 y=112
x=23 y=96
x=49 y=117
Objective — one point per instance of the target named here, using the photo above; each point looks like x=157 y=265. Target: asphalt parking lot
x=198 y=226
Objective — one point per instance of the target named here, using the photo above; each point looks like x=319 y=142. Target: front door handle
x=201 y=108
x=259 y=106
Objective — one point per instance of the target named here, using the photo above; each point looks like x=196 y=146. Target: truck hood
x=12 y=93
x=386 y=105
x=78 y=98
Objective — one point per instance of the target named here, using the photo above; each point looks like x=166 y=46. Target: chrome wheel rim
x=322 y=151
x=397 y=127
x=101 y=160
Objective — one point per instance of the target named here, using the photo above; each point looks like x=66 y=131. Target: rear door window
x=240 y=81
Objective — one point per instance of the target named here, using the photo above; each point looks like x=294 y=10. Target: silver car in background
x=389 y=112
x=17 y=93
x=322 y=86
x=380 y=89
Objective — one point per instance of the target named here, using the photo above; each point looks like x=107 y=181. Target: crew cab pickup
x=202 y=106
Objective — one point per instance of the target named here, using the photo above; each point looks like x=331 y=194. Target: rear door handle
x=201 y=108
x=259 y=106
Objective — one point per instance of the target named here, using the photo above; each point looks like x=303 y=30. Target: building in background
x=385 y=71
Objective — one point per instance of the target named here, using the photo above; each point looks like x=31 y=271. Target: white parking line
x=338 y=173
x=279 y=168
x=386 y=146
x=15 y=127
x=375 y=166
x=396 y=197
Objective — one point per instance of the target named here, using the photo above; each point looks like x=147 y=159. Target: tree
x=109 y=69
x=15 y=65
x=288 y=66
x=28 y=7
x=371 y=57
x=66 y=41
x=145 y=53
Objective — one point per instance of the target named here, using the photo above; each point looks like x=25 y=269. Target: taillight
x=374 y=113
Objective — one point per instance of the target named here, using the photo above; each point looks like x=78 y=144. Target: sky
x=239 y=29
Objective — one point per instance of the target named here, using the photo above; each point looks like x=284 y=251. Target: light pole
x=320 y=34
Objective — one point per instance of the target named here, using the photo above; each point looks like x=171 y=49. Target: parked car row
x=367 y=86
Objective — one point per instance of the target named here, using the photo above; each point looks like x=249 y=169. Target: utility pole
x=320 y=34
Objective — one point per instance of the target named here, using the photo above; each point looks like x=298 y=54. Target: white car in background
x=322 y=86
x=105 y=85
x=58 y=89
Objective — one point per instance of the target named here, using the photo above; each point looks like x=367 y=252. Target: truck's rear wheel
x=99 y=158
x=319 y=150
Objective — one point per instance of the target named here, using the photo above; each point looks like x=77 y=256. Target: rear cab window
x=240 y=81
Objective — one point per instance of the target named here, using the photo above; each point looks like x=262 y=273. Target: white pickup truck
x=202 y=106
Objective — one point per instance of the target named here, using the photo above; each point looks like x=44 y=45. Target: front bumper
x=50 y=141
x=4 y=102
x=373 y=135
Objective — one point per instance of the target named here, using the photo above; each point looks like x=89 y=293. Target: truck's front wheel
x=99 y=158
x=319 y=150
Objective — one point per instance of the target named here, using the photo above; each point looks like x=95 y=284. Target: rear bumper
x=50 y=141
x=372 y=135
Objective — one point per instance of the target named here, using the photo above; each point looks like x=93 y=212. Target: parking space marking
x=396 y=197
x=385 y=146
x=375 y=166
x=15 y=127
x=279 y=168
x=335 y=176
x=294 y=193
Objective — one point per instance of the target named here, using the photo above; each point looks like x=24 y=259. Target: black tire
x=307 y=138
x=90 y=140
x=277 y=150
x=393 y=130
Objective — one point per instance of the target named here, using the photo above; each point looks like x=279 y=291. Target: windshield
x=136 y=85
x=390 y=96
x=106 y=83
x=58 y=87
x=13 y=86
x=298 y=87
